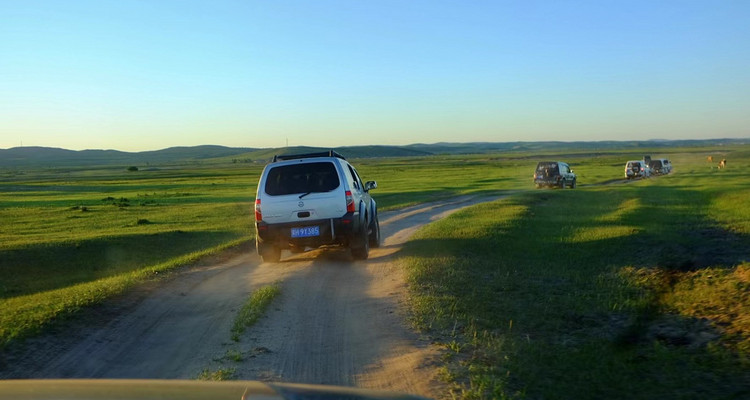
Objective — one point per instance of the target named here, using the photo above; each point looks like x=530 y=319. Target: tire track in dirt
x=343 y=323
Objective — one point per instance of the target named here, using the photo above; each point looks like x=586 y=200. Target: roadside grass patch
x=627 y=291
x=221 y=374
x=250 y=312
x=71 y=238
x=234 y=355
x=37 y=268
x=253 y=309
x=589 y=234
x=25 y=315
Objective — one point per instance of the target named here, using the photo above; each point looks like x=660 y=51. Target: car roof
x=330 y=153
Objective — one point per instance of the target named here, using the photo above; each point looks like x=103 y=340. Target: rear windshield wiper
x=305 y=194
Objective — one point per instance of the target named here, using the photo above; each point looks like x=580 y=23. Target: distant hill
x=491 y=147
x=347 y=151
x=54 y=157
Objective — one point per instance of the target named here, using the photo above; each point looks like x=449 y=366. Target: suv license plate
x=307 y=231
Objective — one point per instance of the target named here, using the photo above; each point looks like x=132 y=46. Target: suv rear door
x=303 y=191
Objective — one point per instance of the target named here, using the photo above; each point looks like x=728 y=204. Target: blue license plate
x=307 y=231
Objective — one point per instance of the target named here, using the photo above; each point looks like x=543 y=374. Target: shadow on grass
x=42 y=267
x=547 y=286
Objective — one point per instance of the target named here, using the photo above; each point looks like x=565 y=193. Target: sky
x=151 y=74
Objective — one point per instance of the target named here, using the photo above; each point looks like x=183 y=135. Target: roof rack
x=329 y=153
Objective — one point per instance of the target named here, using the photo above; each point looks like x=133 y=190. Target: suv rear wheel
x=375 y=234
x=269 y=253
x=360 y=247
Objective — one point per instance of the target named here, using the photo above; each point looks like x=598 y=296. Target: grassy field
x=72 y=237
x=637 y=291
x=608 y=291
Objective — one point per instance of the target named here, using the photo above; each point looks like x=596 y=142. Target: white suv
x=660 y=166
x=637 y=169
x=313 y=200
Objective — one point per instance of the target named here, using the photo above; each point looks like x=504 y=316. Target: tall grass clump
x=253 y=309
x=221 y=374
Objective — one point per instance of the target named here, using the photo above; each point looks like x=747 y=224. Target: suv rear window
x=302 y=178
x=547 y=168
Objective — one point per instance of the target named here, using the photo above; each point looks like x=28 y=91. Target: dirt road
x=335 y=322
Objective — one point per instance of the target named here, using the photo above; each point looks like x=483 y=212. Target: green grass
x=71 y=238
x=521 y=316
x=253 y=309
x=248 y=315
x=25 y=315
x=234 y=355
x=51 y=266
x=408 y=181
x=618 y=291
x=221 y=374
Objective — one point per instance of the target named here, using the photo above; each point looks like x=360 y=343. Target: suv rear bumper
x=331 y=231
x=554 y=181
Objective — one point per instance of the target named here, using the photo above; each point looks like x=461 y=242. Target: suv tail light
x=258 y=215
x=349 y=201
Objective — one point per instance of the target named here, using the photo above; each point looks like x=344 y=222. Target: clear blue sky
x=151 y=74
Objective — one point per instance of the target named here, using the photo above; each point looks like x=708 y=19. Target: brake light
x=258 y=215
x=349 y=201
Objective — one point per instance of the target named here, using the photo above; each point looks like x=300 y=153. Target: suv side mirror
x=370 y=185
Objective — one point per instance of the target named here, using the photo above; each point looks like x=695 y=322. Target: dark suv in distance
x=554 y=174
x=314 y=200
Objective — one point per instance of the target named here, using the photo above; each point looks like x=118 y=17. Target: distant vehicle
x=660 y=166
x=313 y=200
x=554 y=174
x=637 y=169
